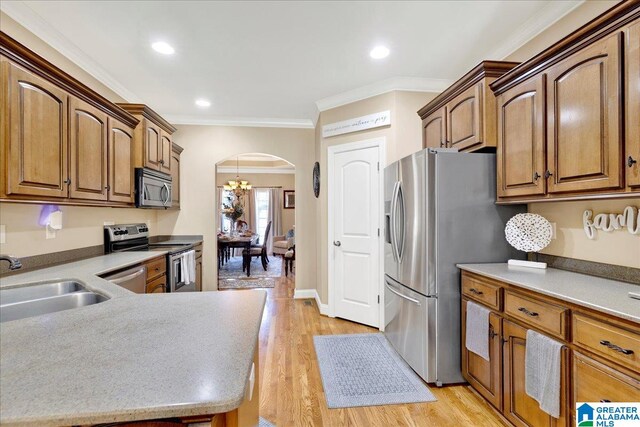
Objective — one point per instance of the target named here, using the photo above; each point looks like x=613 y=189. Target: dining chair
x=259 y=251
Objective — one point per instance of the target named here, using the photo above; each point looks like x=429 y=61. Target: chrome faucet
x=14 y=263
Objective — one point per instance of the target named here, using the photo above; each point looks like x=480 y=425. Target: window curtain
x=275 y=216
x=249 y=205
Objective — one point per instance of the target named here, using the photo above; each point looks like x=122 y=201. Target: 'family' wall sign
x=371 y=121
x=609 y=222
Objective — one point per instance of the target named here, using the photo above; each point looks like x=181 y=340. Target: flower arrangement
x=233 y=210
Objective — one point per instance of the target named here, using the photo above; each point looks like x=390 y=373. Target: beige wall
x=82 y=227
x=27 y=38
x=563 y=27
x=402 y=137
x=286 y=181
x=204 y=147
x=618 y=247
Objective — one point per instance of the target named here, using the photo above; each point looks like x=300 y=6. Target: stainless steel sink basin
x=39 y=290
x=43 y=298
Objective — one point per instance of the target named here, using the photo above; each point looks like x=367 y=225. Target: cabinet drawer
x=156 y=267
x=612 y=342
x=198 y=249
x=158 y=285
x=539 y=314
x=595 y=382
x=481 y=291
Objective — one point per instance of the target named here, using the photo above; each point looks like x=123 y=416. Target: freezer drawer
x=407 y=327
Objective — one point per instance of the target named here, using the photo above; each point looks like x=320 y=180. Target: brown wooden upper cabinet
x=463 y=116
x=632 y=158
x=88 y=151
x=63 y=143
x=564 y=115
x=153 y=143
x=584 y=109
x=521 y=153
x=176 y=150
x=35 y=128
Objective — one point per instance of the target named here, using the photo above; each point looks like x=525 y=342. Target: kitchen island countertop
x=132 y=357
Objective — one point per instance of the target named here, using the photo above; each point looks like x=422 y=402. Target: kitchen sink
x=43 y=298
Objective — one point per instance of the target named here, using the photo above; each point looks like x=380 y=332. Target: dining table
x=228 y=241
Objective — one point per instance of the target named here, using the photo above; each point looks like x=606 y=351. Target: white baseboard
x=312 y=294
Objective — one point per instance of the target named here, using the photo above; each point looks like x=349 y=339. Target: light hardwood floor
x=291 y=391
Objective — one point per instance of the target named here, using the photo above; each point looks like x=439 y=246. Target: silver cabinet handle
x=337 y=243
x=413 y=300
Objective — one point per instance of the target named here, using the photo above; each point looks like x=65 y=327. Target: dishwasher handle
x=134 y=281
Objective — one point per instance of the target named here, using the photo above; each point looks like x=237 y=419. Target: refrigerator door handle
x=413 y=300
x=392 y=229
x=400 y=201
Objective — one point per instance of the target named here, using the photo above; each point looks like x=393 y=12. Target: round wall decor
x=316 y=179
x=528 y=232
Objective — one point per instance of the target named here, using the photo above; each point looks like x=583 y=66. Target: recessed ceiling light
x=163 y=48
x=379 y=52
x=203 y=103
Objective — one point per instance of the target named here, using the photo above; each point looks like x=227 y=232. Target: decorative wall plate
x=316 y=179
x=528 y=232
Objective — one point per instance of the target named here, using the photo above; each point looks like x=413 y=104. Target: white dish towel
x=477 y=330
x=542 y=371
x=188 y=267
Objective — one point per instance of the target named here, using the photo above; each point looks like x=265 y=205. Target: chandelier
x=238 y=186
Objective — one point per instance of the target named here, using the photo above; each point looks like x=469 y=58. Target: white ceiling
x=276 y=63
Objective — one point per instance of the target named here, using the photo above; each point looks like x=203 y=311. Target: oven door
x=176 y=280
x=153 y=189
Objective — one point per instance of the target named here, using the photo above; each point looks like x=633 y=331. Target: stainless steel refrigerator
x=439 y=211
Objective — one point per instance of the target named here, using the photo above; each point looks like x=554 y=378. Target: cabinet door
x=584 y=143
x=521 y=150
x=434 y=131
x=485 y=376
x=35 y=126
x=152 y=146
x=519 y=408
x=158 y=285
x=595 y=382
x=166 y=150
x=88 y=147
x=175 y=177
x=464 y=120
x=632 y=160
x=120 y=162
x=198 y=274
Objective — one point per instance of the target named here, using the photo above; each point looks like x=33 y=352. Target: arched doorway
x=255 y=222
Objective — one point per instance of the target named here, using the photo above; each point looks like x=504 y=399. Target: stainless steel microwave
x=153 y=189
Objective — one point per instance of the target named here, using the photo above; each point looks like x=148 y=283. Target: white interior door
x=354 y=240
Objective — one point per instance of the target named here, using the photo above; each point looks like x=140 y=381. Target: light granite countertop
x=607 y=296
x=132 y=357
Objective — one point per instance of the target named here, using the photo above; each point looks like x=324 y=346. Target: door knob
x=337 y=243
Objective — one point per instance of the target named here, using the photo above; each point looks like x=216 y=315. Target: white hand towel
x=188 y=267
x=542 y=371
x=477 y=330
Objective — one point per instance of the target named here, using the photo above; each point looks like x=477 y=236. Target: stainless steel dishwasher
x=133 y=279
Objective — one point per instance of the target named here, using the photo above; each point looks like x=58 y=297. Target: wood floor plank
x=291 y=392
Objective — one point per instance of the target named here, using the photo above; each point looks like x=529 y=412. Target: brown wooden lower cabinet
x=519 y=407
x=198 y=249
x=591 y=370
x=157 y=285
x=485 y=376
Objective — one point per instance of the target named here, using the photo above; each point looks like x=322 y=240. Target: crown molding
x=241 y=122
x=256 y=169
x=29 y=19
x=410 y=84
x=536 y=24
